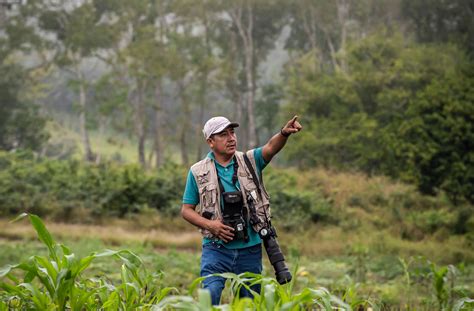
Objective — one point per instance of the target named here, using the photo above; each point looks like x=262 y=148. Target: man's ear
x=210 y=142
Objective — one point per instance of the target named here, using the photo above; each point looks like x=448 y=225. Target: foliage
x=64 y=188
x=436 y=136
x=440 y=22
x=57 y=281
x=70 y=190
x=402 y=109
x=442 y=281
x=20 y=126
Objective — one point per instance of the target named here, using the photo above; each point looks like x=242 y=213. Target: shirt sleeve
x=259 y=160
x=191 y=192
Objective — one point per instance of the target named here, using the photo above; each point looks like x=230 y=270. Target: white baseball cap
x=216 y=125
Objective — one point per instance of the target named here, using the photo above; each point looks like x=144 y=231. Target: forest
x=102 y=108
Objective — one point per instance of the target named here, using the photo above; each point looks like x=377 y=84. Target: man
x=223 y=186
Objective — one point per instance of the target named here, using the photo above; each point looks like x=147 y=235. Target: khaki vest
x=205 y=174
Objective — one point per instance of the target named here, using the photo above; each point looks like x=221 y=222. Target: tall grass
x=56 y=282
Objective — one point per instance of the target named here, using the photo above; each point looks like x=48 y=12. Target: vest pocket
x=209 y=197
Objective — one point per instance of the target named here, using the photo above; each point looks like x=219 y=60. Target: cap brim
x=219 y=130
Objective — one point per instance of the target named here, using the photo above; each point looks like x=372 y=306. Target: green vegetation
x=20 y=126
x=57 y=277
x=373 y=200
x=403 y=110
x=72 y=191
x=55 y=282
x=65 y=189
x=381 y=88
x=366 y=240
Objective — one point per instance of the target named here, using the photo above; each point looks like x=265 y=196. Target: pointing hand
x=291 y=127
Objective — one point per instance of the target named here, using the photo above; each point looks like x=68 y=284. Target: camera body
x=233 y=214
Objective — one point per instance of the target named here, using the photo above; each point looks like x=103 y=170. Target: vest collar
x=210 y=155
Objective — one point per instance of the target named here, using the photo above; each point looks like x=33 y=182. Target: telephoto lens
x=276 y=257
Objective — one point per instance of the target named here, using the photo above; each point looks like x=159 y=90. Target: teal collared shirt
x=191 y=195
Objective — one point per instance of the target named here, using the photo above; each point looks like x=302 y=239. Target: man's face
x=224 y=143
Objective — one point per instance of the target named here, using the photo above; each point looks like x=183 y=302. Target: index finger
x=294 y=120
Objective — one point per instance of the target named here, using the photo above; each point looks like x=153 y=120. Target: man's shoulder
x=200 y=165
x=250 y=154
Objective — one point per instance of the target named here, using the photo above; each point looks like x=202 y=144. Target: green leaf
x=80 y=266
x=21 y=216
x=195 y=283
x=164 y=292
x=5 y=270
x=51 y=270
x=270 y=298
x=112 y=302
x=462 y=303
x=44 y=235
x=39 y=298
x=204 y=300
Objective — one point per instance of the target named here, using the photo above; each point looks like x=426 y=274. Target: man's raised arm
x=278 y=141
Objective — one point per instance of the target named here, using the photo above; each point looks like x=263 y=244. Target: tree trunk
x=246 y=34
x=343 y=7
x=184 y=124
x=157 y=117
x=88 y=154
x=240 y=117
x=203 y=90
x=202 y=106
x=309 y=18
x=235 y=93
x=333 y=52
x=252 y=133
x=140 y=126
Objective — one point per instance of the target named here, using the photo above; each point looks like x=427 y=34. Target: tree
x=403 y=109
x=325 y=28
x=73 y=42
x=21 y=127
x=442 y=21
x=138 y=61
x=257 y=25
x=436 y=137
x=202 y=16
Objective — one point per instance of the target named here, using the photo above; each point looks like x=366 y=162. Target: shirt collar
x=211 y=156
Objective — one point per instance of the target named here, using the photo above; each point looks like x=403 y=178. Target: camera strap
x=252 y=172
x=257 y=183
x=234 y=177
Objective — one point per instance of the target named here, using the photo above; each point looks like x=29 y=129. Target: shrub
x=43 y=186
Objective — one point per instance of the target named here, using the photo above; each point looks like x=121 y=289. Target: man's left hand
x=291 y=127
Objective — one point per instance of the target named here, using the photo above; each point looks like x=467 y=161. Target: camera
x=275 y=255
x=233 y=214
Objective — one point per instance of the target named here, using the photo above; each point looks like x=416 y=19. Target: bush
x=293 y=207
x=43 y=186
x=432 y=220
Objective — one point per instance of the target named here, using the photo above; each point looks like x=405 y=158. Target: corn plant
x=272 y=296
x=55 y=282
x=464 y=304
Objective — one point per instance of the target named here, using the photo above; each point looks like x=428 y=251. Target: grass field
x=375 y=242
x=377 y=268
